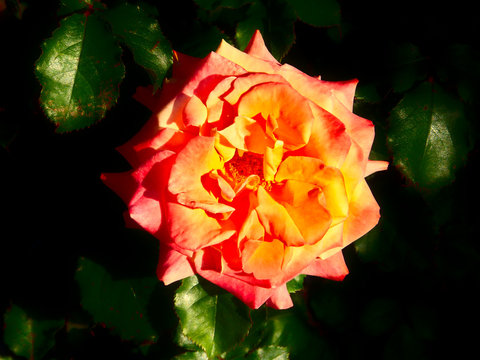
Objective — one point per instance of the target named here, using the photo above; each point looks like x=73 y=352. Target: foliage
x=76 y=284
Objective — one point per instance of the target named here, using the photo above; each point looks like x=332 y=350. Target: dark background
x=412 y=292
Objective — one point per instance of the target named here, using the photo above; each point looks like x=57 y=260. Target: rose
x=250 y=173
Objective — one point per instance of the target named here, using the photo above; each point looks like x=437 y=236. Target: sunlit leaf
x=137 y=28
x=211 y=317
x=192 y=355
x=269 y=353
x=27 y=336
x=296 y=284
x=119 y=304
x=317 y=13
x=274 y=20
x=80 y=71
x=428 y=135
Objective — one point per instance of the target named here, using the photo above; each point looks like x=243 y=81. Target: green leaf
x=119 y=304
x=296 y=284
x=428 y=136
x=70 y=6
x=29 y=337
x=275 y=21
x=80 y=71
x=192 y=355
x=137 y=28
x=317 y=13
x=290 y=330
x=211 y=317
x=269 y=353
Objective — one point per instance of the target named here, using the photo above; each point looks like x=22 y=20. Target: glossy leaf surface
x=211 y=317
x=80 y=71
x=119 y=304
x=428 y=135
x=29 y=337
x=137 y=28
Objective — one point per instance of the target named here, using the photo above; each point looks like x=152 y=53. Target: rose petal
x=303 y=205
x=192 y=229
x=246 y=61
x=280 y=299
x=272 y=159
x=245 y=134
x=263 y=258
x=329 y=140
x=329 y=179
x=256 y=47
x=198 y=158
x=194 y=112
x=333 y=268
x=287 y=114
x=172 y=265
x=276 y=220
x=364 y=214
x=375 y=165
x=244 y=83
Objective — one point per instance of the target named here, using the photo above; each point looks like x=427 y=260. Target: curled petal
x=280 y=299
x=276 y=220
x=313 y=171
x=300 y=199
x=245 y=134
x=287 y=114
x=333 y=268
x=172 y=265
x=192 y=229
x=375 y=165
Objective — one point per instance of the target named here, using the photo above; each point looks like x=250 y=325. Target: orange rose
x=250 y=173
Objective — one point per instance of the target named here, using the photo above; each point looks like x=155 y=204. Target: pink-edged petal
x=329 y=140
x=256 y=47
x=364 y=214
x=192 y=229
x=280 y=299
x=172 y=265
x=253 y=296
x=287 y=114
x=375 y=165
x=276 y=220
x=138 y=150
x=244 y=83
x=353 y=168
x=299 y=258
x=333 y=268
x=213 y=69
x=248 y=62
